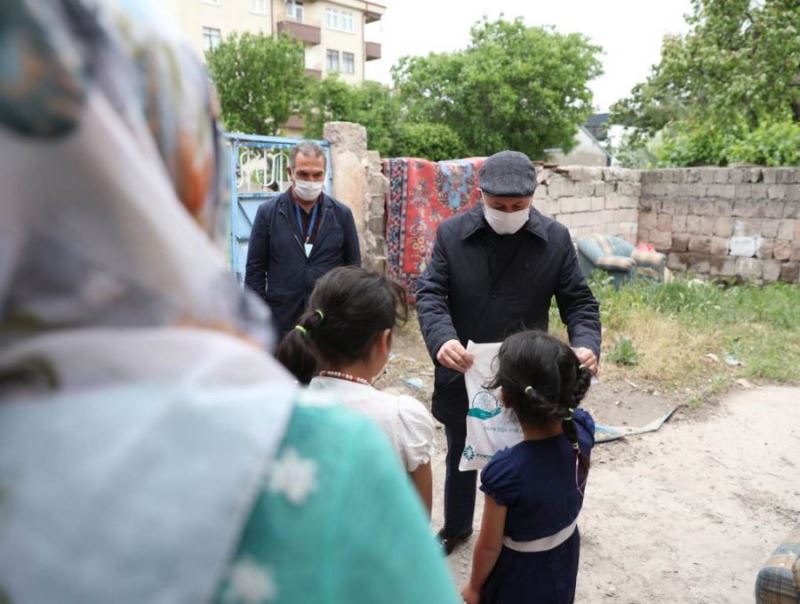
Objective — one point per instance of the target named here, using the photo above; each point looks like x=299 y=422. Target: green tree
x=260 y=80
x=370 y=104
x=378 y=109
x=734 y=77
x=517 y=87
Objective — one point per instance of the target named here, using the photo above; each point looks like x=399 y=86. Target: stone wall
x=724 y=222
x=591 y=200
x=358 y=182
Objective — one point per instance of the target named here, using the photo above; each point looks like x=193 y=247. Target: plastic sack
x=491 y=427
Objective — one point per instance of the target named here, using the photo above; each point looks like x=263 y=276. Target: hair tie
x=320 y=314
x=303 y=331
x=577 y=447
x=571 y=412
x=528 y=391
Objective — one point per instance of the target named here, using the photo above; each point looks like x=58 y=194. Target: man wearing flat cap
x=494 y=272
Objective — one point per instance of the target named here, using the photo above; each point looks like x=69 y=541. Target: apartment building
x=335 y=33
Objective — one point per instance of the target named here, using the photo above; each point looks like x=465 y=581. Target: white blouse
x=403 y=419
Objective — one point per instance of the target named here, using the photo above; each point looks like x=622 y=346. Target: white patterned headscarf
x=111 y=176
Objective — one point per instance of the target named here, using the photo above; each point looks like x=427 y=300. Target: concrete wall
x=724 y=222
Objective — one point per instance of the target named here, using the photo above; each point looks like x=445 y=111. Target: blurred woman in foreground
x=150 y=451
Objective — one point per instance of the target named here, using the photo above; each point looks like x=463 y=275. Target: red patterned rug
x=422 y=194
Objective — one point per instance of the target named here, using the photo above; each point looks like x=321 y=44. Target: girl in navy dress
x=529 y=543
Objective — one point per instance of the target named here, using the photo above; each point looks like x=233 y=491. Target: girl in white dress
x=342 y=343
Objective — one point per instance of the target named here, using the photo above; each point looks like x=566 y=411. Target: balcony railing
x=304 y=32
x=373 y=12
x=372 y=51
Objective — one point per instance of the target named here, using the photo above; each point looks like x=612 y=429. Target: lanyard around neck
x=312 y=222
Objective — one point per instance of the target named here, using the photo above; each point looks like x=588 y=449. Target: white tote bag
x=491 y=427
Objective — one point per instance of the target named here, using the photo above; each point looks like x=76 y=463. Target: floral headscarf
x=130 y=477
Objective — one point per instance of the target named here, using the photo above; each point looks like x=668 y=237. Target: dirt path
x=685 y=514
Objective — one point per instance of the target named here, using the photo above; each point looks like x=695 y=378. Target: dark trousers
x=459 y=487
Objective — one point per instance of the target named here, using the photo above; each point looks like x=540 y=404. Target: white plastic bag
x=491 y=427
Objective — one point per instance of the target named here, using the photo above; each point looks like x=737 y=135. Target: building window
x=258 y=6
x=211 y=38
x=340 y=19
x=332 y=60
x=348 y=62
x=294 y=10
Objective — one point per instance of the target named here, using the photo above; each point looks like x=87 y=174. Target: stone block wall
x=724 y=222
x=713 y=222
x=591 y=200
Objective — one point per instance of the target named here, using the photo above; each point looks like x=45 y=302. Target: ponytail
x=298 y=352
x=582 y=381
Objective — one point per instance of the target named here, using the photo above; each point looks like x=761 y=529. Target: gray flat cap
x=507 y=174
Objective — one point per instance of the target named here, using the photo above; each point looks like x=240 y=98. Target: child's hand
x=471 y=596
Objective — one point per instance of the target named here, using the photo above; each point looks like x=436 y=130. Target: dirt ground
x=685 y=514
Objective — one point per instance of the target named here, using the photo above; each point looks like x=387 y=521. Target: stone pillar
x=349 y=164
x=359 y=183
x=375 y=234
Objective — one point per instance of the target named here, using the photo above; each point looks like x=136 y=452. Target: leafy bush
x=430 y=141
x=703 y=145
x=776 y=144
x=770 y=144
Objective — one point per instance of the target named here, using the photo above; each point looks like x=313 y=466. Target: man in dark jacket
x=493 y=272
x=297 y=237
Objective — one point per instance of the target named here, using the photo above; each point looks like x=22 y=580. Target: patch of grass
x=683 y=330
x=623 y=352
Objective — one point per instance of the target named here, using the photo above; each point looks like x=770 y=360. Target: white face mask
x=505 y=223
x=308 y=190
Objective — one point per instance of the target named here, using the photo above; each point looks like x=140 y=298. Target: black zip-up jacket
x=481 y=286
x=277 y=267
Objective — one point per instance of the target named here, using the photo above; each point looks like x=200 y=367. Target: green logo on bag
x=485 y=406
x=481 y=414
x=469 y=452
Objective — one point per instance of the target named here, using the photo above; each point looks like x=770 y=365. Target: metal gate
x=258 y=171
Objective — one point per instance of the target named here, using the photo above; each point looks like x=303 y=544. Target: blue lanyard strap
x=307 y=236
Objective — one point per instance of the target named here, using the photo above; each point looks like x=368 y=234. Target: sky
x=629 y=31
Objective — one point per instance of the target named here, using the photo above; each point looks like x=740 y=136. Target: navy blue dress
x=535 y=480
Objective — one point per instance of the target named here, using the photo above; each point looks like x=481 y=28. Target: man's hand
x=453 y=356
x=587 y=359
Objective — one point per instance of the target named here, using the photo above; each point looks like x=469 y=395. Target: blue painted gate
x=257 y=172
